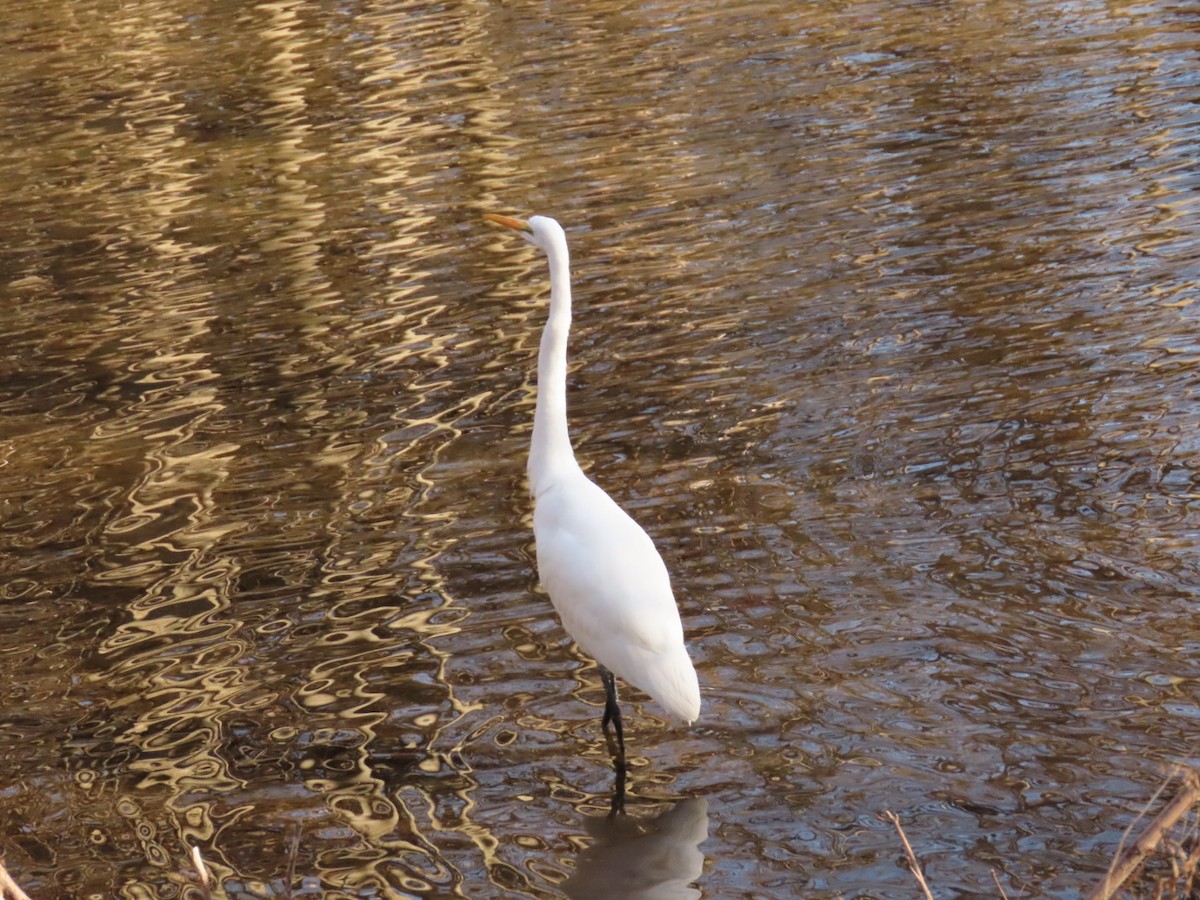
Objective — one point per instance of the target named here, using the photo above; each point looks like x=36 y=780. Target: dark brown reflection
x=641 y=858
x=885 y=331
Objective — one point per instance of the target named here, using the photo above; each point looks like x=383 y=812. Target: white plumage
x=602 y=571
x=612 y=591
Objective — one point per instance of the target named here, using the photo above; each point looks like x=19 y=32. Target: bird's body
x=602 y=571
x=612 y=592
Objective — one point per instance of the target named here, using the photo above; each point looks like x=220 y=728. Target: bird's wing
x=603 y=573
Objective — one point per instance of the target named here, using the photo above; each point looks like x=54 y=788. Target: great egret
x=602 y=571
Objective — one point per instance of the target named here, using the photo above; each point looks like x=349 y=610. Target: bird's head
x=541 y=231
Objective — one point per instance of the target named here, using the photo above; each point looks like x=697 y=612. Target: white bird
x=602 y=571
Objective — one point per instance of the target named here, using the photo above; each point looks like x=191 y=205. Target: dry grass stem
x=9 y=889
x=201 y=872
x=999 y=886
x=913 y=865
x=1128 y=859
x=293 y=853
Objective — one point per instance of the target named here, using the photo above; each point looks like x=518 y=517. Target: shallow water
x=885 y=329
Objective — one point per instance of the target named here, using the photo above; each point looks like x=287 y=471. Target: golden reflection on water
x=885 y=332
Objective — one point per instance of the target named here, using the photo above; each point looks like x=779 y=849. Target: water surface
x=885 y=330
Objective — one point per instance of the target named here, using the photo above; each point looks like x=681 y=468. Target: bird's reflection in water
x=637 y=859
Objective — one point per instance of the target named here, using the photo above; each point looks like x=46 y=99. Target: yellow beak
x=508 y=222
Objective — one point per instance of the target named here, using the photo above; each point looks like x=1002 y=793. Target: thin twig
x=999 y=886
x=1126 y=863
x=913 y=865
x=8 y=887
x=1189 y=870
x=202 y=872
x=293 y=852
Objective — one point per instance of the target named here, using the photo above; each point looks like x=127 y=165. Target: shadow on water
x=639 y=859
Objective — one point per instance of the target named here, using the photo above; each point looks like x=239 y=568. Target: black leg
x=618 y=798
x=612 y=713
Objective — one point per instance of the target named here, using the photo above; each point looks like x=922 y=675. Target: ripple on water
x=883 y=329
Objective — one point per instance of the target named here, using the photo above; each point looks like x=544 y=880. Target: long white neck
x=550 y=453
